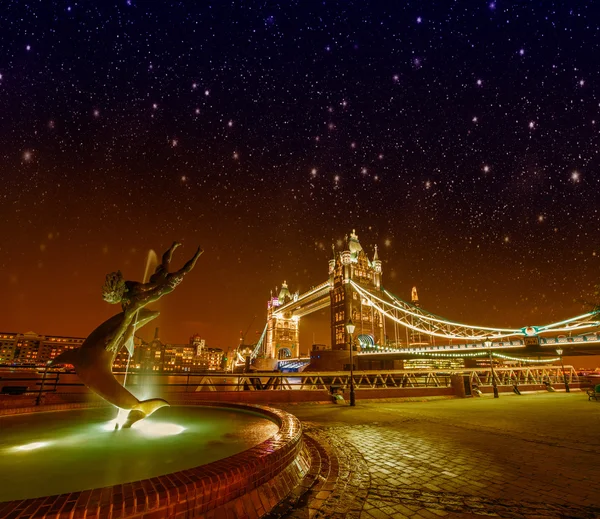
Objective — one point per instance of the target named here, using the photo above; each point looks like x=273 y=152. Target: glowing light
x=479 y=82
x=155 y=429
x=486 y=169
x=31 y=446
x=521 y=52
x=27 y=156
x=575 y=176
x=118 y=422
x=531 y=125
x=529 y=361
x=207 y=92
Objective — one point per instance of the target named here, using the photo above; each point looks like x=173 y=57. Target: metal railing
x=56 y=381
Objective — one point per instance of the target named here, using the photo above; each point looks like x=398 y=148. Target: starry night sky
x=462 y=137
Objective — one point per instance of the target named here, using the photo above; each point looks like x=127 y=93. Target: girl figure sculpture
x=134 y=296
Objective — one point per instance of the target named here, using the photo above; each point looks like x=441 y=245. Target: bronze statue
x=134 y=296
x=94 y=359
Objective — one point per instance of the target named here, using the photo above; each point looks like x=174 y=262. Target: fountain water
x=151 y=262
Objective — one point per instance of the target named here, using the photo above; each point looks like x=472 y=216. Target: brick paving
x=536 y=456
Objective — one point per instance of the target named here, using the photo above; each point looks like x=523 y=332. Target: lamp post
x=488 y=344
x=350 y=329
x=562 y=366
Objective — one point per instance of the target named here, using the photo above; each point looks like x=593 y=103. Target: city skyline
x=457 y=139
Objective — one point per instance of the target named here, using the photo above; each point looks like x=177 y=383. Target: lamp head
x=350 y=327
x=559 y=351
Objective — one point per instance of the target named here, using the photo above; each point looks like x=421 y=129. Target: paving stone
x=511 y=458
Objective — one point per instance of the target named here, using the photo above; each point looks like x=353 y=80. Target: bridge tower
x=282 y=339
x=354 y=264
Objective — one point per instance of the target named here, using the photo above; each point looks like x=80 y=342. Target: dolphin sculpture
x=94 y=359
x=93 y=364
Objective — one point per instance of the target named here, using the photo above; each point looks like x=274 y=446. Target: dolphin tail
x=144 y=409
x=149 y=406
x=66 y=357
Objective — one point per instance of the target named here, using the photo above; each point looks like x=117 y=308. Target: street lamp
x=560 y=352
x=350 y=329
x=488 y=344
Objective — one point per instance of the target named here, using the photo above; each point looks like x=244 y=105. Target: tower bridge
x=389 y=326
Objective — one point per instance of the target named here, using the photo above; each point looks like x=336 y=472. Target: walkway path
x=534 y=456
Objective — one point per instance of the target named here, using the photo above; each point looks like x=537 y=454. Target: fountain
x=161 y=460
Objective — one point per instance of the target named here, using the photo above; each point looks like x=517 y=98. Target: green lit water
x=51 y=453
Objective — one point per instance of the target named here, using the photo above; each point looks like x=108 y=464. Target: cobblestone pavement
x=534 y=456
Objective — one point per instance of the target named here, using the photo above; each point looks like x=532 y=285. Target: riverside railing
x=60 y=381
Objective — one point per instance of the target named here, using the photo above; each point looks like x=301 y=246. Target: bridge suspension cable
x=259 y=344
x=419 y=320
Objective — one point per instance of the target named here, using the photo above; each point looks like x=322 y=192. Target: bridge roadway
x=581 y=344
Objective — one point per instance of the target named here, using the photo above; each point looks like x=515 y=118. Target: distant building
x=31 y=348
x=26 y=349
